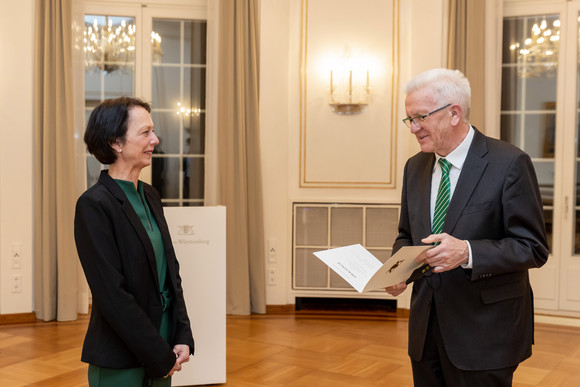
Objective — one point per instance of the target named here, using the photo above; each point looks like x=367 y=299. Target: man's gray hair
x=449 y=86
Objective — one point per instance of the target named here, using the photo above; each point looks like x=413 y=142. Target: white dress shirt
x=456 y=158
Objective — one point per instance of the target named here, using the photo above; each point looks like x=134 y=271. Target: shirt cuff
x=469 y=264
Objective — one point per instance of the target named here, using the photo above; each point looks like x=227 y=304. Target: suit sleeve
x=404 y=237
x=103 y=266
x=523 y=244
x=183 y=334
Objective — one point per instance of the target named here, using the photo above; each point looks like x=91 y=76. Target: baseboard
x=557 y=320
x=17 y=318
x=290 y=310
x=280 y=309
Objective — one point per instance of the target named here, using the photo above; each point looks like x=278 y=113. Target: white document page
x=364 y=272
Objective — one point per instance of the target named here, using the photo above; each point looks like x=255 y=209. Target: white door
x=570 y=232
x=539 y=114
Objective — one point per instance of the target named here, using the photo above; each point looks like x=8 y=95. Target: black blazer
x=119 y=263
x=485 y=314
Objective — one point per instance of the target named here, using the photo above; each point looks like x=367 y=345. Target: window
x=178 y=90
x=109 y=67
x=159 y=55
x=539 y=113
x=528 y=103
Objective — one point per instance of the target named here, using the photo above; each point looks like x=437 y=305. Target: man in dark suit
x=472 y=319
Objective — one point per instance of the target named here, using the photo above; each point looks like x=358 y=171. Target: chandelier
x=110 y=46
x=185 y=112
x=537 y=55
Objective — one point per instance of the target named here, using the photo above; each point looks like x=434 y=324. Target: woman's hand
x=181 y=356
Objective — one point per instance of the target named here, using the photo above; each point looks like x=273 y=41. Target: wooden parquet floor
x=283 y=350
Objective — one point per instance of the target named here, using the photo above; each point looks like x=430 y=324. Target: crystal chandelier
x=184 y=112
x=538 y=54
x=111 y=46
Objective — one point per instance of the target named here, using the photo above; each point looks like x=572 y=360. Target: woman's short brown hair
x=107 y=124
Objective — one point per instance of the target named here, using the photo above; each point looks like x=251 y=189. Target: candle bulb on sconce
x=353 y=96
x=350 y=86
x=331 y=86
x=367 y=80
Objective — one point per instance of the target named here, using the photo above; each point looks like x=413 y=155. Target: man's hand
x=397 y=289
x=448 y=254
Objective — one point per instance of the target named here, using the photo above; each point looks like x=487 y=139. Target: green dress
x=111 y=377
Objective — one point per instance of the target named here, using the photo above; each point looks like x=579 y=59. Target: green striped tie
x=443 y=195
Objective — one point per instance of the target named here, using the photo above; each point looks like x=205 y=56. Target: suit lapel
x=157 y=212
x=476 y=165
x=424 y=200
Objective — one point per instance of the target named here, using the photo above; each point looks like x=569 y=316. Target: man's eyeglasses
x=418 y=119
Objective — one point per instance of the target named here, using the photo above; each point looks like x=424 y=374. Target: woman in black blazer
x=139 y=332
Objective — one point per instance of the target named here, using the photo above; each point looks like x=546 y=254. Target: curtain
x=240 y=183
x=56 y=267
x=466 y=50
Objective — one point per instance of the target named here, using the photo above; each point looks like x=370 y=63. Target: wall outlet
x=272 y=250
x=272 y=277
x=16 y=283
x=16 y=258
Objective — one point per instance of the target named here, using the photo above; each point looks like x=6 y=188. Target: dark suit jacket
x=119 y=262
x=485 y=314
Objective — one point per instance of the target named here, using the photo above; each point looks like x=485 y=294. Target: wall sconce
x=348 y=97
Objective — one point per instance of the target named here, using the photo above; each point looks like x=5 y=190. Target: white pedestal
x=199 y=239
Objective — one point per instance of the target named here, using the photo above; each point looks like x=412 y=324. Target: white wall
x=16 y=150
x=275 y=64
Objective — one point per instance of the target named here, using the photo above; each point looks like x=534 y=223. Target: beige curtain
x=55 y=259
x=466 y=50
x=239 y=155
